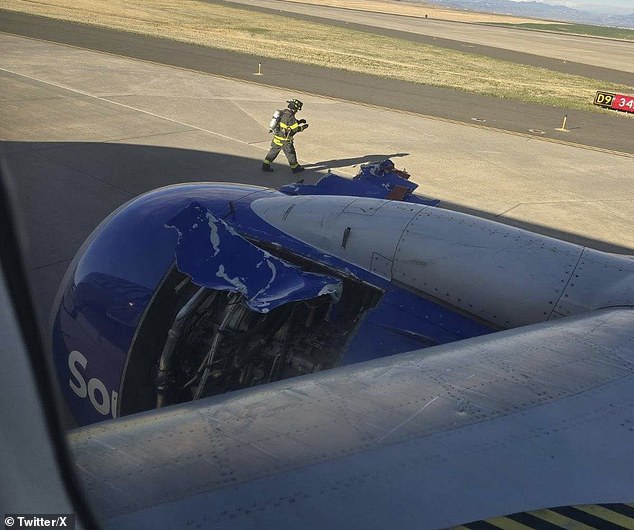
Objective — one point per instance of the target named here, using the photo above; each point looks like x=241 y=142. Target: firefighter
x=284 y=126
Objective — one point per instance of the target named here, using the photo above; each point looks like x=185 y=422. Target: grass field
x=577 y=29
x=421 y=10
x=237 y=29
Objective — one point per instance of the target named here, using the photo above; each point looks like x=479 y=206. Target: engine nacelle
x=186 y=292
x=195 y=290
x=110 y=284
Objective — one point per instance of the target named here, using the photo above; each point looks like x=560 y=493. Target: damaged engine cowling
x=245 y=302
x=238 y=316
x=217 y=344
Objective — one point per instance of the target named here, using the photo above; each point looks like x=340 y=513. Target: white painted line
x=130 y=107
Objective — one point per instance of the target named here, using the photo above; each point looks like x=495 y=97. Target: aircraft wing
x=527 y=418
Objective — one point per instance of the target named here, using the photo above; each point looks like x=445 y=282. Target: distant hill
x=541 y=10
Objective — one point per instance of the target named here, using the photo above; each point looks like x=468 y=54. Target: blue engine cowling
x=108 y=288
x=111 y=285
x=116 y=329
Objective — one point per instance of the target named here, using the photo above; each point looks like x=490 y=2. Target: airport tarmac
x=607 y=129
x=83 y=131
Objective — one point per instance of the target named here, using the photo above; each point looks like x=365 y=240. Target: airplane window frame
x=21 y=301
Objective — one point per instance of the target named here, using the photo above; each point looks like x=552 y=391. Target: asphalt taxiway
x=608 y=130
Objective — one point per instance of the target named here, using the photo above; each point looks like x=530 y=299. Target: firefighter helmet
x=295 y=104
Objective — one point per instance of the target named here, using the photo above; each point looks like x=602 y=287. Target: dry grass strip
x=273 y=36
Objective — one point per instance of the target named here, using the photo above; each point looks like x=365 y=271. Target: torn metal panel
x=217 y=257
x=385 y=174
x=379 y=180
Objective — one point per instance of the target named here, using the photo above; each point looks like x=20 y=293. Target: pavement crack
x=58 y=262
x=91 y=175
x=510 y=209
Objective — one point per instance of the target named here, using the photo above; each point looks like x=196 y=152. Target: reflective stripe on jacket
x=287 y=127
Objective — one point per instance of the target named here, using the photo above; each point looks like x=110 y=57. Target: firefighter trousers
x=289 y=150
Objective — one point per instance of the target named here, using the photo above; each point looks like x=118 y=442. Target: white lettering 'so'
x=79 y=384
x=102 y=404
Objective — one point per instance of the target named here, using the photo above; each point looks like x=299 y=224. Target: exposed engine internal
x=211 y=343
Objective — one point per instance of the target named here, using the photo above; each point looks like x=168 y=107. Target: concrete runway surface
x=83 y=131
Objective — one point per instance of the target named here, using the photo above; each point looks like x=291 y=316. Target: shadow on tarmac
x=63 y=190
x=343 y=162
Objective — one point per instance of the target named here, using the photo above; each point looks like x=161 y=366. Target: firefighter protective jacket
x=287 y=127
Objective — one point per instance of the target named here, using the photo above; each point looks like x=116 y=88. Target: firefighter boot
x=266 y=167
x=297 y=169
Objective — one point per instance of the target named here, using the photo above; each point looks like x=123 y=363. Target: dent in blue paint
x=217 y=257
